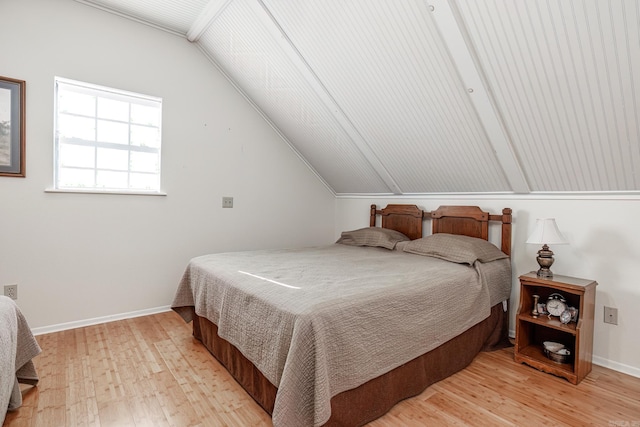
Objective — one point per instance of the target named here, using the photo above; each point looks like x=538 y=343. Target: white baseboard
x=620 y=367
x=97 y=320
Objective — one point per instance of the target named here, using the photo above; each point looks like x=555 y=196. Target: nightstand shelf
x=552 y=322
x=532 y=331
x=534 y=353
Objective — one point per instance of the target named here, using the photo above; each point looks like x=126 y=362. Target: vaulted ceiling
x=432 y=96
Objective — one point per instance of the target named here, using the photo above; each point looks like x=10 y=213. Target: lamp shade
x=547 y=233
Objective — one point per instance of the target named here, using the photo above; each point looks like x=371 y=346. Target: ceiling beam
x=455 y=36
x=323 y=93
x=209 y=13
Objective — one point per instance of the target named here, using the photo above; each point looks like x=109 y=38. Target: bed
x=337 y=335
x=17 y=348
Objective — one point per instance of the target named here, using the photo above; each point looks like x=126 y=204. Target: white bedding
x=320 y=321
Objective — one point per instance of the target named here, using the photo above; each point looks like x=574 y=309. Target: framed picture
x=12 y=127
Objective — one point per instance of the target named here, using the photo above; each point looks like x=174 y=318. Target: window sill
x=112 y=192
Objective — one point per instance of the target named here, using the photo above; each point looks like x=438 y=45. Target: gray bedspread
x=319 y=321
x=17 y=348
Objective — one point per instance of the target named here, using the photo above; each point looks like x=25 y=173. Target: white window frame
x=111 y=94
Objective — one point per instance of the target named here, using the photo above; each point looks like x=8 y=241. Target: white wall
x=81 y=256
x=604 y=246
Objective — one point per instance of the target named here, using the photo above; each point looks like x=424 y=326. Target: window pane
x=144 y=136
x=144 y=181
x=77 y=155
x=76 y=103
x=106 y=139
x=117 y=133
x=145 y=115
x=144 y=162
x=75 y=178
x=112 y=180
x=76 y=127
x=113 y=159
x=112 y=109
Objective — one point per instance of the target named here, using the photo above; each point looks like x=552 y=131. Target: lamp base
x=544 y=273
x=545 y=260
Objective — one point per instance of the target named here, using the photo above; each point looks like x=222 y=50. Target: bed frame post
x=506 y=231
x=372 y=217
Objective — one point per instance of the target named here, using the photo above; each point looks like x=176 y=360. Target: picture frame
x=12 y=127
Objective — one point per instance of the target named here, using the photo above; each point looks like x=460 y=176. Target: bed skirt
x=374 y=398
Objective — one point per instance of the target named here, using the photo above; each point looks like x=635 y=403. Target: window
x=106 y=140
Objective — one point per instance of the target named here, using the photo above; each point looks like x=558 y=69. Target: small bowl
x=561 y=356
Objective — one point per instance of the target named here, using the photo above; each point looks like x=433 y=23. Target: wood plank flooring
x=149 y=371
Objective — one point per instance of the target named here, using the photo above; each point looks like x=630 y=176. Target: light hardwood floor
x=149 y=371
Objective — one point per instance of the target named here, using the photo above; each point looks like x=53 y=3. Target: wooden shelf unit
x=531 y=331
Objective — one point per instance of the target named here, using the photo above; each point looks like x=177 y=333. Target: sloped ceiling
x=422 y=97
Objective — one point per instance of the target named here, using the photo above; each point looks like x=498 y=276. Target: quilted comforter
x=319 y=321
x=17 y=348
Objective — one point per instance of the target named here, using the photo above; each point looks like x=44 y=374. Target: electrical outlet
x=611 y=315
x=11 y=291
x=227 y=202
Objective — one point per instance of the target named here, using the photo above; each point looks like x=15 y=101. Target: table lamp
x=546 y=233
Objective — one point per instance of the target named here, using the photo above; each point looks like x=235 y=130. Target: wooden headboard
x=465 y=220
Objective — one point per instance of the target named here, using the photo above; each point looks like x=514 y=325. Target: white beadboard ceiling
x=435 y=96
